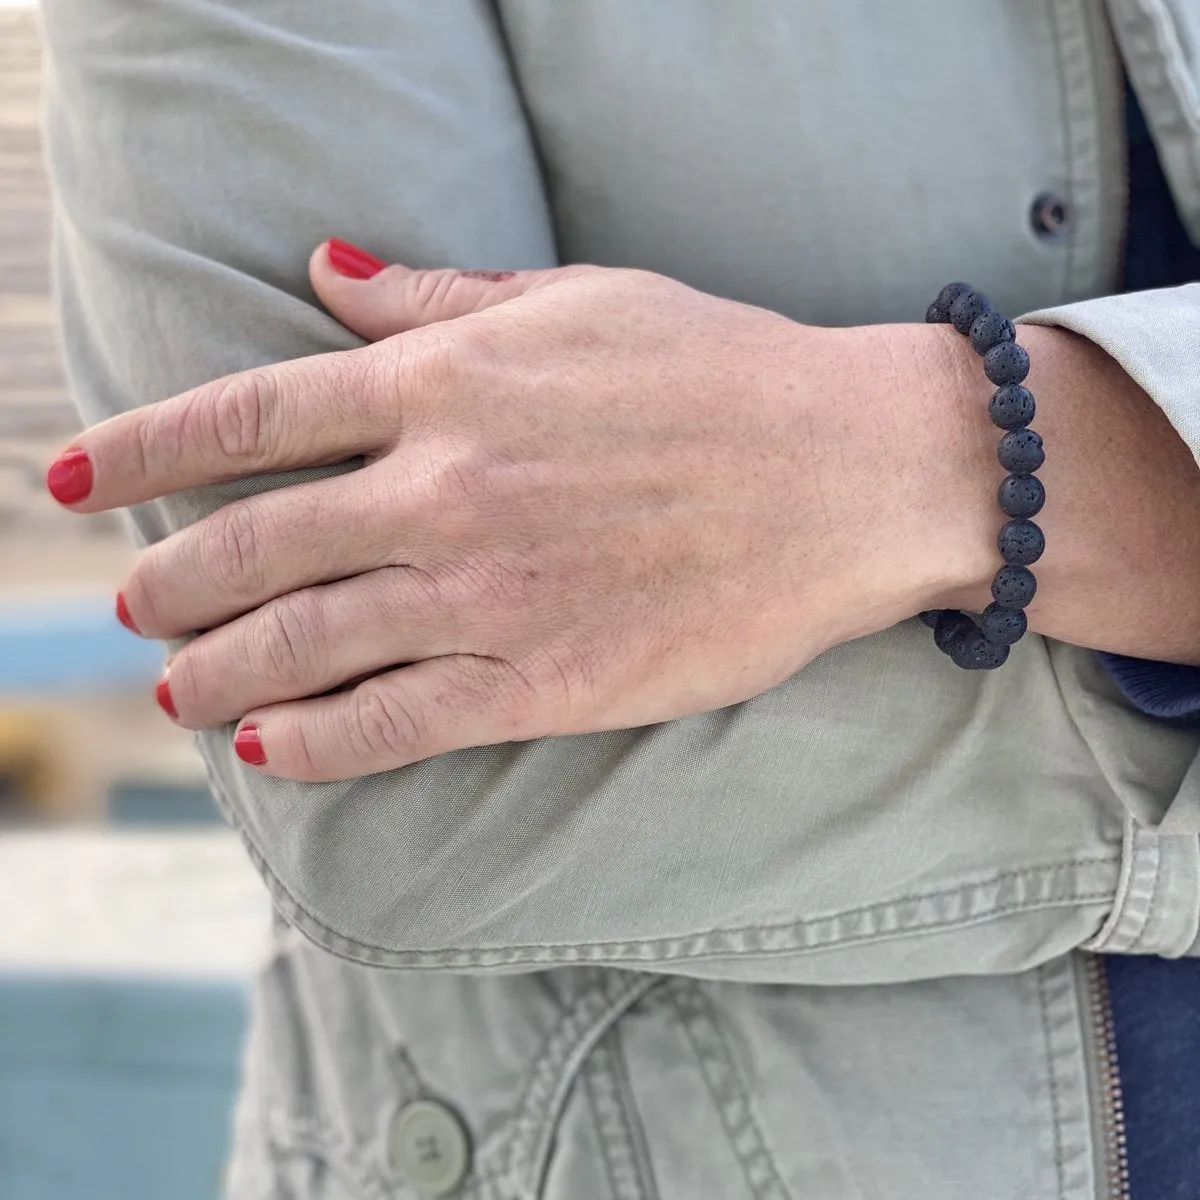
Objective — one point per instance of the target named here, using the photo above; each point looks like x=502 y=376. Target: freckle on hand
x=490 y=276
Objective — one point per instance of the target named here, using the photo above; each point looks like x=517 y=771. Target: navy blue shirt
x=1158 y=254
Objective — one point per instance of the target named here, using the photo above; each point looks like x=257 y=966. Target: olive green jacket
x=820 y=944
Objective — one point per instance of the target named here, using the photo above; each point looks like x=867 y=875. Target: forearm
x=1121 y=570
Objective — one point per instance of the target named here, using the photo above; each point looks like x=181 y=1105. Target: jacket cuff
x=1155 y=336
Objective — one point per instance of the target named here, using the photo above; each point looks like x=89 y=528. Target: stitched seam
x=556 y=1072
x=354 y=949
x=307 y=1135
x=599 y=1123
x=614 y=1123
x=1146 y=933
x=632 y=954
x=1059 y=39
x=1108 y=931
x=1052 y=1079
x=729 y=1094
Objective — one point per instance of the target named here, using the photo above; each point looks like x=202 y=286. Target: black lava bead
x=935 y=314
x=951 y=292
x=967 y=309
x=1022 y=496
x=973 y=652
x=930 y=616
x=1003 y=626
x=1014 y=587
x=1021 y=543
x=990 y=329
x=1006 y=363
x=1021 y=451
x=951 y=624
x=1012 y=406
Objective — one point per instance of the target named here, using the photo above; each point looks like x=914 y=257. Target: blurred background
x=130 y=921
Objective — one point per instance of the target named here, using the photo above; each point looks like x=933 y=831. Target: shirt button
x=1050 y=214
x=428 y=1147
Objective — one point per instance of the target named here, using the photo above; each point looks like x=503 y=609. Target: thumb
x=376 y=300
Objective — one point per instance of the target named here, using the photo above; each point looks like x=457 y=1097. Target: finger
x=376 y=300
x=267 y=545
x=432 y=707
x=307 y=642
x=308 y=412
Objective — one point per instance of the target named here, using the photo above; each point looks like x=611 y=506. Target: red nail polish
x=162 y=694
x=352 y=262
x=69 y=478
x=248 y=746
x=123 y=615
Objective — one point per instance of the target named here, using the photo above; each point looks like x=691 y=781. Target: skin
x=597 y=499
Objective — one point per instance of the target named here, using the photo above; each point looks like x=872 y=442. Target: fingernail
x=349 y=260
x=69 y=478
x=248 y=746
x=123 y=615
x=162 y=694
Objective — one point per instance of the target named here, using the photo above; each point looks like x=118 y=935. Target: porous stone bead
x=950 y=625
x=1003 y=626
x=935 y=314
x=1022 y=496
x=967 y=309
x=973 y=652
x=1021 y=451
x=1014 y=587
x=1006 y=363
x=951 y=292
x=1012 y=406
x=930 y=616
x=1021 y=543
x=990 y=329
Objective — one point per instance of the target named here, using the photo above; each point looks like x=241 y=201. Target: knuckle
x=385 y=726
x=433 y=290
x=231 y=550
x=301 y=756
x=239 y=415
x=285 y=639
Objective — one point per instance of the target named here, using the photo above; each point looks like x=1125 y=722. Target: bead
x=1021 y=451
x=1022 y=496
x=973 y=652
x=950 y=625
x=968 y=307
x=935 y=314
x=1006 y=363
x=990 y=329
x=1003 y=626
x=951 y=292
x=1014 y=587
x=1012 y=406
x=1021 y=543
x=930 y=616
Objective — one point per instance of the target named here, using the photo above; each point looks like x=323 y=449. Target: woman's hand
x=592 y=499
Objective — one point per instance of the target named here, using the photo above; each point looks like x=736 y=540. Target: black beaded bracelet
x=984 y=644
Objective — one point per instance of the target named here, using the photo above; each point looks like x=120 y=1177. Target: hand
x=591 y=499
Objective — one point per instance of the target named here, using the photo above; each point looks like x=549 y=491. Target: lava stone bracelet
x=983 y=645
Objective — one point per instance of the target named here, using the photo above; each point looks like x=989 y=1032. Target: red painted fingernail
x=349 y=260
x=162 y=694
x=248 y=746
x=123 y=615
x=69 y=478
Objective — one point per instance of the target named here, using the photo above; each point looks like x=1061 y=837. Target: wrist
x=939 y=400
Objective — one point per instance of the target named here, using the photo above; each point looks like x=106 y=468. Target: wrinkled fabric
x=822 y=943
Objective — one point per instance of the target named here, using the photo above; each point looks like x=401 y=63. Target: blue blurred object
x=70 y=645
x=155 y=804
x=116 y=1089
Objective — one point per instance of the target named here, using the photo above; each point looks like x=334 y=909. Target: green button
x=429 y=1147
